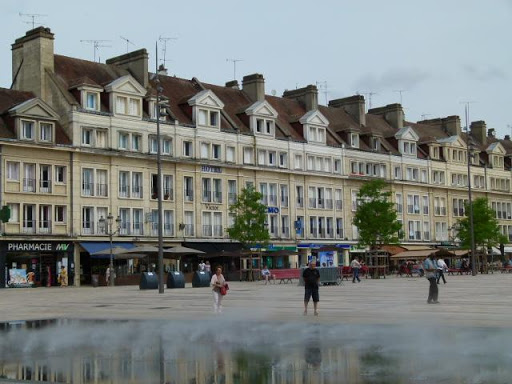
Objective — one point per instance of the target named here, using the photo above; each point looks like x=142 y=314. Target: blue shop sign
x=272 y=209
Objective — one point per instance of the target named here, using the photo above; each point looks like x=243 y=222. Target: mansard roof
x=11 y=99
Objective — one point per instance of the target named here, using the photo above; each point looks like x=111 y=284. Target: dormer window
x=316 y=134
x=208 y=118
x=27 y=130
x=434 y=152
x=409 y=148
x=354 y=140
x=497 y=161
x=46 y=132
x=91 y=101
x=265 y=126
x=375 y=143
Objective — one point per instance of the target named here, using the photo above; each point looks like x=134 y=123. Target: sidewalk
x=482 y=300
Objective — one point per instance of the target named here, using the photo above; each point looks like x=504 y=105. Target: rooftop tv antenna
x=368 y=96
x=424 y=115
x=400 y=91
x=234 y=61
x=33 y=16
x=164 y=48
x=96 y=44
x=322 y=86
x=127 y=43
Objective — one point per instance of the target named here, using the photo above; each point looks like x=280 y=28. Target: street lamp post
x=107 y=226
x=470 y=155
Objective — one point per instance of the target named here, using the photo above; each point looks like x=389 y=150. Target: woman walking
x=217 y=282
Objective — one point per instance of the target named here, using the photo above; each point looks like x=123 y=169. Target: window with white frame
x=298 y=161
x=272 y=158
x=397 y=172
x=299 y=191
x=124 y=184
x=60 y=174
x=60 y=214
x=283 y=159
x=208 y=117
x=14 y=209
x=354 y=140
x=409 y=148
x=264 y=126
x=441 y=229
x=337 y=166
x=87 y=182
x=413 y=204
x=137 y=182
x=188 y=185
x=87 y=136
x=439 y=206
x=423 y=176
x=459 y=207
x=230 y=154
x=248 y=155
x=101 y=138
x=123 y=140
x=136 y=143
x=91 y=101
x=27 y=130
x=46 y=132
x=102 y=182
x=134 y=107
x=425 y=205
x=121 y=105
x=166 y=146
x=414 y=227
x=216 y=151
x=399 y=203
x=13 y=171
x=426 y=231
x=438 y=177
x=187 y=149
x=284 y=195
x=168 y=187
x=354 y=199
x=205 y=150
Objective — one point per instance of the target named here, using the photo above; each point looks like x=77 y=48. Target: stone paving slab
x=483 y=300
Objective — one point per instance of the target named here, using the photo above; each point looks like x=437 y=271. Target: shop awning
x=96 y=246
x=211 y=248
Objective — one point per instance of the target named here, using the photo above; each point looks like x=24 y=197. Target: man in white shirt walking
x=356 y=267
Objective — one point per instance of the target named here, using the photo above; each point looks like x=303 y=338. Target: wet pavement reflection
x=225 y=350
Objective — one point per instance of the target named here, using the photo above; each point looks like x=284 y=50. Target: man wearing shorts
x=311 y=278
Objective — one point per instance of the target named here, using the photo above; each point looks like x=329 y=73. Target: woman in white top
x=217 y=282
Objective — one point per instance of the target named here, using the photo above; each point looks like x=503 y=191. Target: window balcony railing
x=124 y=191
x=232 y=197
x=125 y=228
x=320 y=203
x=312 y=202
x=313 y=232
x=328 y=204
x=188 y=230
x=29 y=185
x=300 y=202
x=264 y=199
x=137 y=192
x=217 y=231
x=207 y=230
x=168 y=193
x=189 y=195
x=87 y=189
x=217 y=197
x=272 y=200
x=284 y=201
x=138 y=228
x=339 y=204
x=45 y=186
x=339 y=233
x=168 y=229
x=29 y=226
x=45 y=226
x=102 y=190
x=207 y=196
x=87 y=228
x=285 y=232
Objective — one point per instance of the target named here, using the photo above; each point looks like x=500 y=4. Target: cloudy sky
x=433 y=55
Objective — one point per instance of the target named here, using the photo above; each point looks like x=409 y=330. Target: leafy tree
x=250 y=217
x=485 y=226
x=375 y=216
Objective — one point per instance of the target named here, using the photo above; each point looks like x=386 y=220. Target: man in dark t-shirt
x=311 y=278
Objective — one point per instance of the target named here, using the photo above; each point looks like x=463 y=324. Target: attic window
x=375 y=143
x=91 y=102
x=317 y=134
x=264 y=126
x=46 y=132
x=27 y=130
x=409 y=148
x=354 y=140
x=208 y=118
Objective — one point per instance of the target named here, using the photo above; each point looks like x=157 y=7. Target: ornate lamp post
x=106 y=226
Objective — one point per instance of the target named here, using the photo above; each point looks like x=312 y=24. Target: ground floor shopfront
x=43 y=258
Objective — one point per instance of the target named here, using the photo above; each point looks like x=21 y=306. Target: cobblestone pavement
x=483 y=300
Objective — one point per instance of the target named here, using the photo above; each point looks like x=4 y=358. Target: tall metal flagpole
x=159 y=182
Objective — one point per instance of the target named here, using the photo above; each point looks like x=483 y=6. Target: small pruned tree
x=376 y=217
x=250 y=217
x=486 y=230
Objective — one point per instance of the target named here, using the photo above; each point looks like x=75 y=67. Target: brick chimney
x=134 y=62
x=491 y=132
x=479 y=131
x=353 y=105
x=232 y=84
x=307 y=96
x=254 y=87
x=450 y=124
x=392 y=113
x=32 y=56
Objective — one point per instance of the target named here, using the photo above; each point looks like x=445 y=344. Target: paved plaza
x=483 y=300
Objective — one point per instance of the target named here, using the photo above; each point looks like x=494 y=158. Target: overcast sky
x=439 y=53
